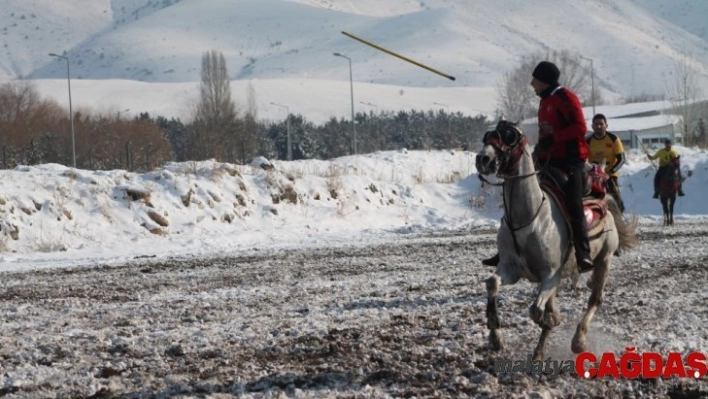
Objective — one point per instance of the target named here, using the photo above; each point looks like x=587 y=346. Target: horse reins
x=507 y=212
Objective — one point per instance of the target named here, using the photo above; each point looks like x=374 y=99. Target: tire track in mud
x=401 y=319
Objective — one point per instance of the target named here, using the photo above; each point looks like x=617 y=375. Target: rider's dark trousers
x=614 y=189
x=574 y=199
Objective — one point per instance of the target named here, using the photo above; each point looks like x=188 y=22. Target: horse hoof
x=539 y=355
x=495 y=340
x=578 y=346
x=536 y=314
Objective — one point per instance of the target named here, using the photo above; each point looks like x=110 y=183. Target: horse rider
x=666 y=155
x=562 y=145
x=606 y=147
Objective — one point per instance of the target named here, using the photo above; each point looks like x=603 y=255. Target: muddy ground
x=405 y=319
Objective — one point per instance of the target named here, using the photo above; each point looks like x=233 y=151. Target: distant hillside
x=162 y=40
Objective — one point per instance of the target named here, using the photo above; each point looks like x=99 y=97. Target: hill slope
x=162 y=41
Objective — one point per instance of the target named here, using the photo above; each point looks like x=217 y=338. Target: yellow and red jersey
x=608 y=149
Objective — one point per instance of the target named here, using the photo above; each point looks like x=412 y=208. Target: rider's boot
x=582 y=254
x=493 y=261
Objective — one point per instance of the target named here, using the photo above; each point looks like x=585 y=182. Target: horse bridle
x=508 y=145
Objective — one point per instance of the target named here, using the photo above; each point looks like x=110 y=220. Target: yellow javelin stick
x=398 y=55
x=647 y=152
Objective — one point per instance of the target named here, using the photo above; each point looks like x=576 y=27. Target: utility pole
x=592 y=82
x=287 y=127
x=351 y=91
x=376 y=119
x=449 y=119
x=71 y=113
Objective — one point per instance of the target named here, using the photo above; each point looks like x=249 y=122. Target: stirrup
x=585 y=265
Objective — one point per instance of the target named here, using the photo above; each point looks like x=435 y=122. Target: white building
x=650 y=123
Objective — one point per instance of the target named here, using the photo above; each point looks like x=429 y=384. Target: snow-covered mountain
x=633 y=43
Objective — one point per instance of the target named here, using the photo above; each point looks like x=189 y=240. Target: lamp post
x=71 y=113
x=376 y=118
x=121 y=112
x=592 y=82
x=351 y=90
x=449 y=119
x=287 y=127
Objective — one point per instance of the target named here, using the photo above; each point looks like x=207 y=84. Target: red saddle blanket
x=595 y=204
x=594 y=208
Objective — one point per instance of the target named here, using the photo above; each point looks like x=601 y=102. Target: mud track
x=399 y=320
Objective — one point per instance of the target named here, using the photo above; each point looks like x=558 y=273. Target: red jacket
x=561 y=117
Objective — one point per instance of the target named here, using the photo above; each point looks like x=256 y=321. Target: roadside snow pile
x=49 y=208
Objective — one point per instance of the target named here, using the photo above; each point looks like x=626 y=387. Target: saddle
x=595 y=204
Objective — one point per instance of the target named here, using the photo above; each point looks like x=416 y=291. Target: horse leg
x=575 y=282
x=493 y=284
x=671 y=209
x=599 y=278
x=495 y=340
x=551 y=319
x=547 y=290
x=665 y=208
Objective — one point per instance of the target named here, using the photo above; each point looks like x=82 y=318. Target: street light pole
x=71 y=113
x=121 y=112
x=449 y=119
x=592 y=82
x=376 y=118
x=351 y=90
x=287 y=127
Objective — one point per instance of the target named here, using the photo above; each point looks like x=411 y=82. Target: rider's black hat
x=546 y=72
x=667 y=141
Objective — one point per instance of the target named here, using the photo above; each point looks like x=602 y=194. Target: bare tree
x=516 y=97
x=17 y=100
x=684 y=91
x=248 y=141
x=216 y=119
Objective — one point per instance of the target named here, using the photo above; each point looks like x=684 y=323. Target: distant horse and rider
x=535 y=238
x=669 y=185
x=668 y=180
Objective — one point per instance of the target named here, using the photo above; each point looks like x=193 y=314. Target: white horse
x=534 y=240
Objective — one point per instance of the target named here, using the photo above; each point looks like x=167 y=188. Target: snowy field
x=353 y=277
x=405 y=318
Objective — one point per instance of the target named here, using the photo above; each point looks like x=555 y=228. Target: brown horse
x=669 y=182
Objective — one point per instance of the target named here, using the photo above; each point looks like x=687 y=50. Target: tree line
x=35 y=131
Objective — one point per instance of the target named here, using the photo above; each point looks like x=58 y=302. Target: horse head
x=502 y=151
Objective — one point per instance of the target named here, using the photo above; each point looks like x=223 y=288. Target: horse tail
x=626 y=228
